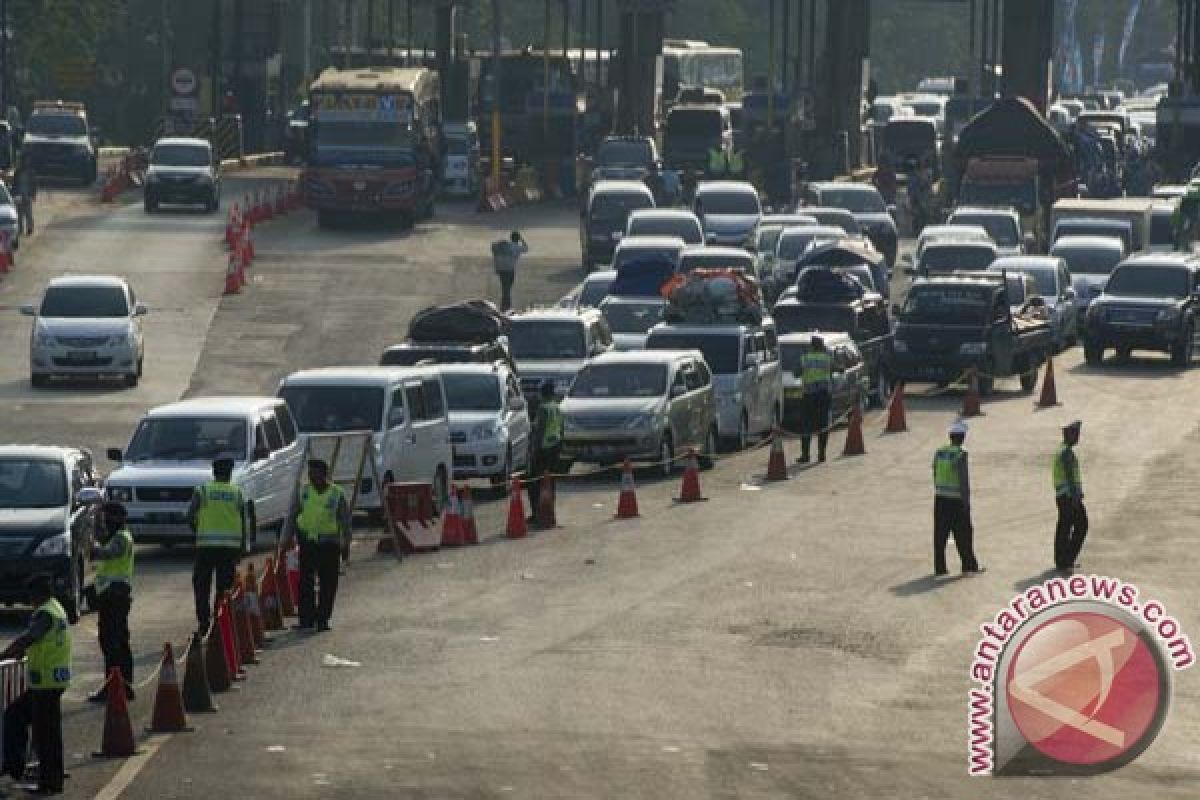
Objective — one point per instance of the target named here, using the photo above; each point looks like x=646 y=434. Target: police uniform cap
x=958 y=429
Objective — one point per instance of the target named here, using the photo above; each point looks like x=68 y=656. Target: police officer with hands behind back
x=217 y=515
x=321 y=520
x=817 y=376
x=952 y=503
x=114 y=596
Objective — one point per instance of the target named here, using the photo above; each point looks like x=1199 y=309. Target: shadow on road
x=1035 y=580
x=926 y=583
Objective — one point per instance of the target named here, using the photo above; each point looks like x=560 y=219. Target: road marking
x=126 y=774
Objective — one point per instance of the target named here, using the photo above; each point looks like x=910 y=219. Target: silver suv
x=552 y=344
x=645 y=406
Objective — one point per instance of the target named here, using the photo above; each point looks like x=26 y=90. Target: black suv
x=60 y=143
x=629 y=157
x=184 y=171
x=1149 y=303
x=410 y=354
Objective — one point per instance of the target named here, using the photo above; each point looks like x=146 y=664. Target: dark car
x=866 y=204
x=410 y=354
x=183 y=171
x=48 y=511
x=605 y=216
x=850 y=380
x=1149 y=303
x=639 y=152
x=60 y=143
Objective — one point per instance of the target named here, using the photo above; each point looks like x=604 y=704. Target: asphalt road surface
x=783 y=640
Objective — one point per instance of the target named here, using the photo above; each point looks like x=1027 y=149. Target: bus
x=373 y=143
x=687 y=63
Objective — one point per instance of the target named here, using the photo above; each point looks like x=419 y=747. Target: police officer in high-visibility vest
x=545 y=444
x=717 y=163
x=321 y=520
x=817 y=376
x=737 y=164
x=952 y=503
x=218 y=517
x=114 y=596
x=1072 y=525
x=46 y=645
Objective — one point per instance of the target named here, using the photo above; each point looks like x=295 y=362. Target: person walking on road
x=114 y=597
x=952 y=503
x=817 y=375
x=46 y=646
x=546 y=444
x=25 y=193
x=1072 y=525
x=217 y=516
x=321 y=520
x=505 y=255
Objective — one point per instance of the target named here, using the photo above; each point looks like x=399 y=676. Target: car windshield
x=857 y=201
x=1142 y=280
x=728 y=203
x=614 y=153
x=909 y=136
x=633 y=317
x=54 y=124
x=32 y=483
x=84 y=302
x=948 y=258
x=1002 y=228
x=646 y=256
x=947 y=304
x=594 y=291
x=1088 y=260
x=684 y=228
x=472 y=392
x=530 y=338
x=188 y=439
x=621 y=380
x=327 y=409
x=617 y=205
x=722 y=352
x=180 y=155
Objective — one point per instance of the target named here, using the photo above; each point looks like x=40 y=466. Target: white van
x=403 y=407
x=171 y=453
x=744 y=360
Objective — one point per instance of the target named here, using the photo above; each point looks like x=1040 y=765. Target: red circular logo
x=1085 y=688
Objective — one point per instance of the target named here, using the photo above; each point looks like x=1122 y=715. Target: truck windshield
x=529 y=338
x=32 y=483
x=621 y=380
x=188 y=439
x=327 y=409
x=951 y=305
x=721 y=351
x=948 y=258
x=1001 y=227
x=1142 y=280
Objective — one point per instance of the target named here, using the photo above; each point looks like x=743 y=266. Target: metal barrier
x=12 y=684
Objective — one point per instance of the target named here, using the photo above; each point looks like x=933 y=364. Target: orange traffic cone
x=452 y=530
x=545 y=510
x=470 y=532
x=689 y=490
x=117 y=741
x=248 y=245
x=287 y=601
x=1049 y=390
x=6 y=254
x=254 y=609
x=168 y=715
x=197 y=693
x=854 y=434
x=517 y=527
x=231 y=227
x=777 y=463
x=216 y=662
x=229 y=643
x=233 y=277
x=896 y=421
x=970 y=407
x=241 y=625
x=268 y=598
x=627 y=505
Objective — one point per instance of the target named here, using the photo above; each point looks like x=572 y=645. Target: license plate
x=81 y=355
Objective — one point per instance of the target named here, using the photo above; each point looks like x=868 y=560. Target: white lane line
x=130 y=769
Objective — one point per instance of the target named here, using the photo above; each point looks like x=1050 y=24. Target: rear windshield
x=1088 y=260
x=1001 y=228
x=909 y=136
x=617 y=205
x=646 y=257
x=1146 y=281
x=632 y=317
x=466 y=392
x=857 y=201
x=792 y=244
x=946 y=304
x=948 y=258
x=547 y=339
x=56 y=124
x=791 y=356
x=721 y=352
x=327 y=409
x=622 y=153
x=621 y=380
x=693 y=122
x=1162 y=232
x=411 y=356
x=728 y=203
x=700 y=261
x=686 y=229
x=790 y=318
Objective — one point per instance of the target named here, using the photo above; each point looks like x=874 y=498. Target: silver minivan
x=645 y=406
x=744 y=360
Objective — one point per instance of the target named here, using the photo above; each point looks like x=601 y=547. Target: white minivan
x=404 y=408
x=171 y=453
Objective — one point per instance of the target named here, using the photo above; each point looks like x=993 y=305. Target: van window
x=260 y=438
x=274 y=436
x=287 y=425
x=680 y=383
x=433 y=399
x=416 y=403
x=328 y=409
x=396 y=416
x=601 y=336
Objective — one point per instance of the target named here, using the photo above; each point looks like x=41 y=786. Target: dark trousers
x=41 y=710
x=319 y=565
x=950 y=517
x=1070 y=532
x=219 y=561
x=113 y=605
x=25 y=214
x=815 y=419
x=542 y=460
x=506 y=284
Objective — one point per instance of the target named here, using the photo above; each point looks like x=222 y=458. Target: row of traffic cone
x=239 y=228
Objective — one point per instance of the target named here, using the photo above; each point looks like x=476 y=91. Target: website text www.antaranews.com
x=1031 y=602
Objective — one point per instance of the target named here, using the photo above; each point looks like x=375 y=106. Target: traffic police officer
x=547 y=443
x=114 y=596
x=737 y=164
x=46 y=645
x=952 y=503
x=717 y=163
x=322 y=518
x=1072 y=525
x=817 y=375
x=217 y=516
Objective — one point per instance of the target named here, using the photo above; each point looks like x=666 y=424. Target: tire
x=666 y=455
x=1029 y=380
x=72 y=601
x=1123 y=354
x=39 y=381
x=708 y=453
x=987 y=383
x=150 y=205
x=131 y=380
x=1093 y=355
x=441 y=491
x=883 y=389
x=1181 y=353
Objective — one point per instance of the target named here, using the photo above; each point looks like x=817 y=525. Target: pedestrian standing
x=25 y=189
x=114 y=596
x=46 y=645
x=1072 y=525
x=545 y=444
x=952 y=503
x=321 y=520
x=217 y=517
x=817 y=375
x=505 y=255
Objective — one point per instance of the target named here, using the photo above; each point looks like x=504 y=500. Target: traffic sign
x=184 y=82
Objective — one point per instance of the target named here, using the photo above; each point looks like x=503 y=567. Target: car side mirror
x=396 y=418
x=1069 y=293
x=140 y=310
x=89 y=496
x=516 y=404
x=114 y=454
x=28 y=310
x=262 y=453
x=677 y=390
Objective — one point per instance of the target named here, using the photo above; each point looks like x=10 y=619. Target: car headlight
x=972 y=348
x=484 y=430
x=59 y=545
x=120 y=494
x=900 y=346
x=1168 y=315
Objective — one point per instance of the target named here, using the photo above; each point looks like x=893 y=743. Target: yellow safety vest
x=716 y=161
x=119 y=569
x=736 y=163
x=48 y=660
x=946 y=479
x=219 y=518
x=319 y=513
x=818 y=370
x=552 y=433
x=1062 y=486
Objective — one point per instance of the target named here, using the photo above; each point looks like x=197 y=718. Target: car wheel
x=987 y=382
x=883 y=389
x=150 y=205
x=1181 y=353
x=72 y=602
x=1123 y=353
x=708 y=454
x=131 y=380
x=441 y=491
x=39 y=381
x=1093 y=354
x=666 y=456
x=1029 y=380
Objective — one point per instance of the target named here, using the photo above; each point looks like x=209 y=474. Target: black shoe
x=940 y=573
x=979 y=569
x=322 y=627
x=303 y=626
x=129 y=695
x=821 y=458
x=803 y=460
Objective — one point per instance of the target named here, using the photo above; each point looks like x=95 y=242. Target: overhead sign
x=184 y=82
